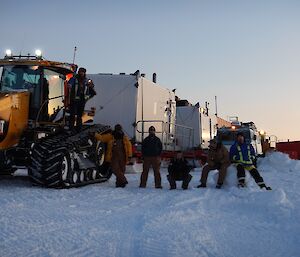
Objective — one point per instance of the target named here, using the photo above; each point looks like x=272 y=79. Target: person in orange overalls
x=118 y=153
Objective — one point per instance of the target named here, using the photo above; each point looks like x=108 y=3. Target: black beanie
x=82 y=69
x=118 y=127
x=152 y=128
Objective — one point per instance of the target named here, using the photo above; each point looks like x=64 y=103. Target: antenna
x=23 y=43
x=206 y=107
x=216 y=106
x=74 y=55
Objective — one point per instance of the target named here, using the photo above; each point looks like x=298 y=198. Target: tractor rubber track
x=51 y=157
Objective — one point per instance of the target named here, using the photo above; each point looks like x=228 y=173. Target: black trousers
x=76 y=108
x=253 y=172
x=183 y=176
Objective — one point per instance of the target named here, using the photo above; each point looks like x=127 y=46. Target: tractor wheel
x=100 y=154
x=66 y=168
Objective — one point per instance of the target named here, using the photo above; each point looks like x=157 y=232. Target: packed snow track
x=101 y=220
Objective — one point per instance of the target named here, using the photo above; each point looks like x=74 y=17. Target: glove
x=90 y=83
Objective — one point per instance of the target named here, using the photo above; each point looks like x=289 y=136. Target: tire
x=53 y=164
x=5 y=165
x=74 y=177
x=65 y=168
x=50 y=167
x=88 y=175
x=100 y=154
x=94 y=174
x=81 y=176
x=34 y=179
x=105 y=171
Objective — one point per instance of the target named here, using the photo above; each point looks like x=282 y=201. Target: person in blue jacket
x=243 y=155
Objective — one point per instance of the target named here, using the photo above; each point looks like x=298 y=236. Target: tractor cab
x=33 y=135
x=43 y=80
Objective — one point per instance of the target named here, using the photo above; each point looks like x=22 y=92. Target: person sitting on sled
x=217 y=159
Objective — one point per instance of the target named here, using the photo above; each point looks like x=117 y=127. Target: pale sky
x=245 y=52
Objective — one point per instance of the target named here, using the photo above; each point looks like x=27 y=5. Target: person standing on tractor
x=81 y=90
x=217 y=159
x=151 y=151
x=243 y=155
x=118 y=153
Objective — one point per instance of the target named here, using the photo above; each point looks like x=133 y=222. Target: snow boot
x=185 y=183
x=121 y=185
x=218 y=186
x=264 y=186
x=202 y=185
x=172 y=182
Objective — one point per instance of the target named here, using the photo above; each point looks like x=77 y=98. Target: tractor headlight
x=38 y=53
x=8 y=53
x=262 y=132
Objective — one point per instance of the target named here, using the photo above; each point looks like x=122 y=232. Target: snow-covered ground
x=100 y=220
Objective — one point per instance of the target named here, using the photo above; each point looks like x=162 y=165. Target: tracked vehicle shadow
x=15 y=181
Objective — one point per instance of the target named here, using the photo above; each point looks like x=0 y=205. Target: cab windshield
x=230 y=136
x=19 y=77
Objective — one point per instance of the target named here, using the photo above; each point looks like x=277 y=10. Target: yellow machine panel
x=14 y=108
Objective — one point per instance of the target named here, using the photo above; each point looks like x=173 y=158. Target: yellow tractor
x=34 y=126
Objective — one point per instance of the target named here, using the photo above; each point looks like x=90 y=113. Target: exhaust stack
x=154 y=77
